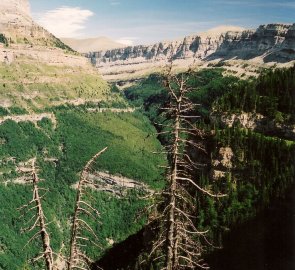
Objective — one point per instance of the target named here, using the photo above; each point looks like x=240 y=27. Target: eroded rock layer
x=268 y=43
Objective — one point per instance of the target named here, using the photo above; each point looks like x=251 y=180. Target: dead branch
x=77 y=258
x=39 y=217
x=180 y=245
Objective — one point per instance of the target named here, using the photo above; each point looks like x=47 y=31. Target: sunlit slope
x=31 y=85
x=61 y=153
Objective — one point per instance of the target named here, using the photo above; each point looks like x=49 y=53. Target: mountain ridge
x=37 y=70
x=91 y=44
x=271 y=43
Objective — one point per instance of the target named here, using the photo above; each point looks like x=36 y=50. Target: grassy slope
x=27 y=86
x=131 y=141
x=34 y=86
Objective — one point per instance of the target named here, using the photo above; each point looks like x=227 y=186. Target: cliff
x=21 y=37
x=268 y=43
x=18 y=28
x=37 y=70
x=14 y=11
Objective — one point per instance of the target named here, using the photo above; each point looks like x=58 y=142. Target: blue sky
x=148 y=21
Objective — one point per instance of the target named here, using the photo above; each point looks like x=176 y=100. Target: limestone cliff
x=20 y=36
x=256 y=122
x=18 y=27
x=36 y=69
x=14 y=11
x=268 y=43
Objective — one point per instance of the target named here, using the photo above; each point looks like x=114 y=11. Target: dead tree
x=179 y=243
x=78 y=259
x=38 y=219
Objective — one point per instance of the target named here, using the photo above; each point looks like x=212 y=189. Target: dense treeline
x=210 y=84
x=262 y=167
x=272 y=94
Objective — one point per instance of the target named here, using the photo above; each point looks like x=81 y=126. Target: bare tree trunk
x=179 y=242
x=47 y=251
x=77 y=259
x=40 y=220
x=172 y=233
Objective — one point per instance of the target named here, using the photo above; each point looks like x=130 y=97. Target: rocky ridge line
x=268 y=43
x=21 y=37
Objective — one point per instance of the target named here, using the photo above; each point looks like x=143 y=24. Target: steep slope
x=258 y=166
x=54 y=106
x=34 y=86
x=37 y=70
x=18 y=27
x=266 y=44
x=239 y=149
x=92 y=44
x=62 y=152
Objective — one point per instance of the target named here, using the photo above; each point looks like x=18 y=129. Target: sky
x=148 y=21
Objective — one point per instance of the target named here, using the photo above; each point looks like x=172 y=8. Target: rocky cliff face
x=273 y=42
x=36 y=68
x=256 y=122
x=20 y=36
x=18 y=27
x=14 y=8
x=11 y=6
x=14 y=13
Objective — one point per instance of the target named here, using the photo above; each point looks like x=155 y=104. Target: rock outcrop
x=223 y=163
x=256 y=122
x=15 y=12
x=18 y=27
x=269 y=43
x=20 y=36
x=37 y=69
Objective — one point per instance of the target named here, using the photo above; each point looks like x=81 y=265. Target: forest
x=255 y=178
x=251 y=178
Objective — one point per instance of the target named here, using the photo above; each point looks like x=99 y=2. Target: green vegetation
x=61 y=154
x=3 y=39
x=35 y=86
x=59 y=44
x=272 y=95
x=210 y=85
x=262 y=167
x=130 y=138
x=40 y=38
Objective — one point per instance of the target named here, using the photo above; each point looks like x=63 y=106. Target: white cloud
x=129 y=41
x=65 y=21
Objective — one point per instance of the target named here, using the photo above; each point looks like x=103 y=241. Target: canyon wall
x=268 y=43
x=21 y=38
